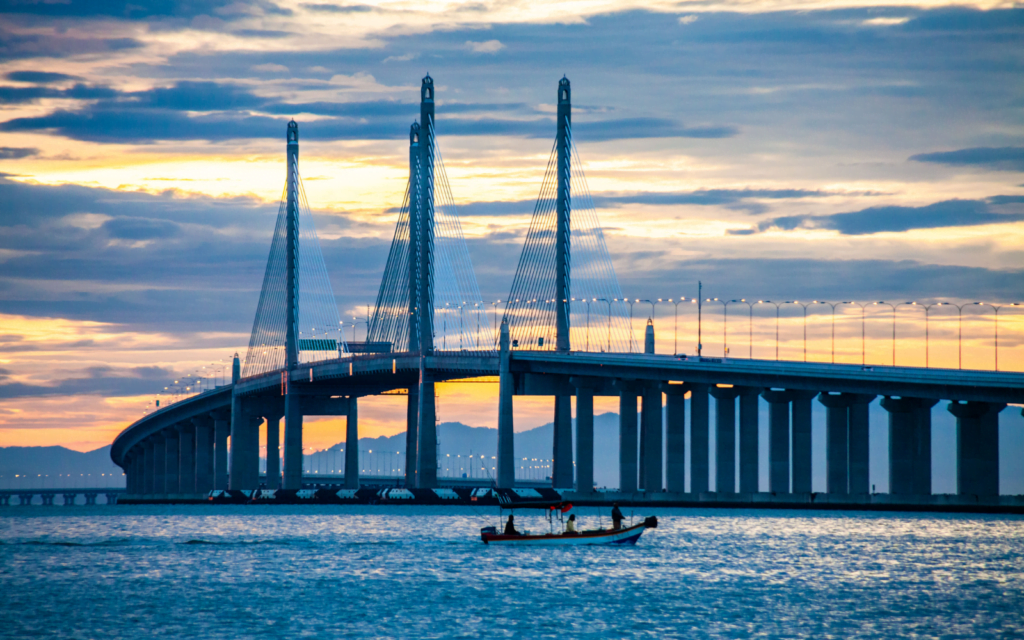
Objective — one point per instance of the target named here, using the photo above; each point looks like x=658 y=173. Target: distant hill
x=58 y=466
x=459 y=441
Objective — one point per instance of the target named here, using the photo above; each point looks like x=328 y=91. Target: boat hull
x=628 y=536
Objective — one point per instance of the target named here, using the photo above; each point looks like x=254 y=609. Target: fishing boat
x=557 y=536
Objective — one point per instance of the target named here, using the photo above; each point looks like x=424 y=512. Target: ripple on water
x=326 y=571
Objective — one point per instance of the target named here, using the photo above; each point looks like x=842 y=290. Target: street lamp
x=609 y=302
x=996 y=308
x=750 y=326
x=893 y=328
x=777 y=305
x=833 y=305
x=675 y=325
x=804 y=305
x=959 y=330
x=863 y=359
x=725 y=324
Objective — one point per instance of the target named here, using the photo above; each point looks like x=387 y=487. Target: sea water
x=422 y=572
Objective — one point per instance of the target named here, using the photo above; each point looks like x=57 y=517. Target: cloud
x=338 y=8
x=16 y=95
x=1001 y=158
x=270 y=68
x=140 y=228
x=948 y=213
x=39 y=77
x=706 y=197
x=690 y=19
x=489 y=46
x=104 y=381
x=14 y=153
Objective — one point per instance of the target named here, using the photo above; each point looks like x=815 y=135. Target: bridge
x=298 y=364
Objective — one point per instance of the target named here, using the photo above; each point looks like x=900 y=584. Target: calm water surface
x=415 y=572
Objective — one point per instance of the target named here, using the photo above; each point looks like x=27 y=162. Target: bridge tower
x=292 y=476
x=562 y=470
x=426 y=446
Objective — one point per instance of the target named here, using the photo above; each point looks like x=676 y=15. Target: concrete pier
x=749 y=453
x=801 y=416
x=651 y=415
x=506 y=435
x=675 y=436
x=628 y=468
x=977 y=447
x=725 y=438
x=837 y=441
x=699 y=438
x=173 y=456
x=909 y=445
x=352 y=445
x=186 y=458
x=427 y=447
x=204 y=453
x=159 y=464
x=584 y=439
x=292 y=443
x=778 y=439
x=561 y=447
x=859 y=443
x=221 y=431
x=274 y=450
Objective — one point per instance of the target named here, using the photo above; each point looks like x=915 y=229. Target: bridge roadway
x=181 y=449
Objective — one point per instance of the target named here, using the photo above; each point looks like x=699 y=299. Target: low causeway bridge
x=299 y=365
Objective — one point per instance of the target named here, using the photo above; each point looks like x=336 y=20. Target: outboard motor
x=651 y=522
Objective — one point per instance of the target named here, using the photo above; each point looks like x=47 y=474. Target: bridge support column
x=274 y=451
x=427 y=447
x=749 y=476
x=186 y=458
x=173 y=455
x=561 y=448
x=159 y=465
x=860 y=444
x=837 y=441
x=293 y=442
x=675 y=436
x=801 y=415
x=977 y=447
x=725 y=438
x=651 y=418
x=923 y=462
x=69 y=499
x=204 y=453
x=700 y=410
x=138 y=475
x=903 y=445
x=778 y=439
x=584 y=438
x=221 y=431
x=412 y=416
x=506 y=439
x=627 y=438
x=149 y=467
x=239 y=445
x=352 y=445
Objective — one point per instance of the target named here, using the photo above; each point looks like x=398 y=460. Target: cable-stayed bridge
x=566 y=333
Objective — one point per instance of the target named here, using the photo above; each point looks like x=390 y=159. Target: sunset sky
x=772 y=149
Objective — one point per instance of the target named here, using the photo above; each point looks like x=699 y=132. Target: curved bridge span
x=300 y=363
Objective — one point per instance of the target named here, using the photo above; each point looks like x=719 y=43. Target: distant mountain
x=458 y=441
x=57 y=467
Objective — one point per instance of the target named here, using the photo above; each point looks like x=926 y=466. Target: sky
x=770 y=149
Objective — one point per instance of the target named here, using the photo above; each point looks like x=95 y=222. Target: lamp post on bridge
x=609 y=320
x=675 y=326
x=893 y=307
x=725 y=324
x=959 y=330
x=750 y=326
x=995 y=308
x=777 y=305
x=863 y=358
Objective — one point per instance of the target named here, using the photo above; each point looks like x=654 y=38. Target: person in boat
x=510 y=527
x=616 y=517
x=570 y=526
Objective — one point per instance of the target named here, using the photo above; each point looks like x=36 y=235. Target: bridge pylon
x=428 y=288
